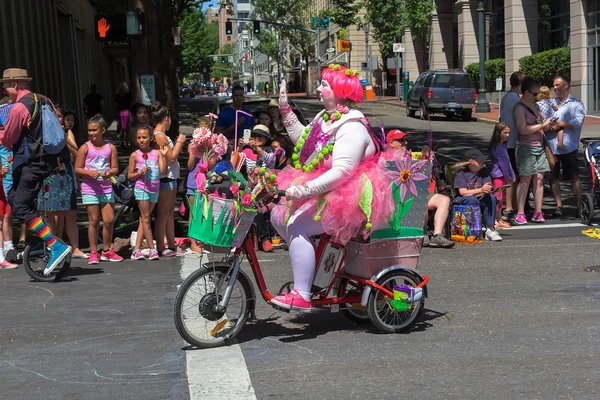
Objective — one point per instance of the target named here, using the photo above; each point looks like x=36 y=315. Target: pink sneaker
x=111 y=256
x=520 y=219
x=538 y=217
x=291 y=301
x=153 y=255
x=8 y=265
x=94 y=259
x=136 y=254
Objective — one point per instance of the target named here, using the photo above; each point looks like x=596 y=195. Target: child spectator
x=473 y=184
x=97 y=162
x=548 y=109
x=145 y=166
x=258 y=149
x=284 y=148
x=264 y=119
x=502 y=172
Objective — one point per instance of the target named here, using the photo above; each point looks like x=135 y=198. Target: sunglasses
x=535 y=94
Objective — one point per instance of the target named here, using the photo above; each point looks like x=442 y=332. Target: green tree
x=199 y=39
x=343 y=12
x=294 y=13
x=494 y=68
x=220 y=69
x=545 y=65
x=389 y=18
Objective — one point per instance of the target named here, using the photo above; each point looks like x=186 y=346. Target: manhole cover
x=595 y=268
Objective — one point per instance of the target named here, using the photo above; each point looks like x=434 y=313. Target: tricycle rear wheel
x=354 y=312
x=381 y=312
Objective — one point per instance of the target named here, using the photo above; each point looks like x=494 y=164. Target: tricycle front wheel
x=383 y=315
x=198 y=318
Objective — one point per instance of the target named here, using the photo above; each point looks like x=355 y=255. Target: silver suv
x=442 y=91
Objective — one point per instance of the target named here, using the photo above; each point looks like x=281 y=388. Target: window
x=554 y=20
x=459 y=81
x=428 y=80
x=496 y=33
x=243 y=1
x=243 y=14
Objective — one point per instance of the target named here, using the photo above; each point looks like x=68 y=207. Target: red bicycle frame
x=323 y=295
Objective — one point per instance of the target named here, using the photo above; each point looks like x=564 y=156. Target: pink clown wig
x=344 y=82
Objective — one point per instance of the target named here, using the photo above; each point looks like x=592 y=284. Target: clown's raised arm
x=293 y=127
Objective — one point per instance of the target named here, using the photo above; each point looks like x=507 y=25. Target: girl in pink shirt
x=96 y=163
x=145 y=165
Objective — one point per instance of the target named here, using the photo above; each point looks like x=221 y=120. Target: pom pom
x=295 y=157
x=326 y=117
x=352 y=104
x=321 y=156
x=338 y=115
x=368 y=226
x=317 y=218
x=307 y=129
x=304 y=135
x=336 y=67
x=286 y=220
x=348 y=72
x=315 y=162
x=301 y=142
x=272 y=177
x=330 y=66
x=261 y=171
x=326 y=150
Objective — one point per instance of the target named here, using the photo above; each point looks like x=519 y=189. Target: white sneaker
x=493 y=235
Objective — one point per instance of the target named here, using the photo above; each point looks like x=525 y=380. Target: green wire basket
x=219 y=222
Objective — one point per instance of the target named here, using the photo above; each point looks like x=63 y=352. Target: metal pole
x=366 y=28
x=482 y=103
x=398 y=66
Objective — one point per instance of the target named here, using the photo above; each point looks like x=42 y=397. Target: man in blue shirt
x=226 y=122
x=571 y=114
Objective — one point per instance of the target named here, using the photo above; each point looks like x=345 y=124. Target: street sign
x=390 y=63
x=330 y=50
x=364 y=66
x=398 y=48
x=148 y=86
x=499 y=84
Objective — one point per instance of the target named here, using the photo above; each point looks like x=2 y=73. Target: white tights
x=297 y=233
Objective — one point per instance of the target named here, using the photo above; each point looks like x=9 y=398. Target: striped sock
x=38 y=227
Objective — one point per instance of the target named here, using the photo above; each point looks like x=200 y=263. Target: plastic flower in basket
x=261 y=189
x=207 y=145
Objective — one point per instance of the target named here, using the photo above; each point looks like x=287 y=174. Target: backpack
x=53 y=135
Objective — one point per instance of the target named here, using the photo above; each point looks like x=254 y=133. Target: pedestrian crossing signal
x=229 y=28
x=222 y=60
x=256 y=27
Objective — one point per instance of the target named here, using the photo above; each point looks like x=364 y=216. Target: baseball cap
x=262 y=130
x=395 y=134
x=474 y=154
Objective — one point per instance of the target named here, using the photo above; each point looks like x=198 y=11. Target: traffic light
x=110 y=27
x=229 y=28
x=325 y=22
x=256 y=27
x=222 y=60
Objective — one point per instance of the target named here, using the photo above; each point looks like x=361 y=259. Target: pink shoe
x=94 y=259
x=538 y=217
x=153 y=255
x=291 y=301
x=520 y=219
x=8 y=265
x=111 y=256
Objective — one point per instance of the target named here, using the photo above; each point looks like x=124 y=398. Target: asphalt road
x=510 y=320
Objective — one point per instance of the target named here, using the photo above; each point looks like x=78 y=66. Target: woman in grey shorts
x=530 y=154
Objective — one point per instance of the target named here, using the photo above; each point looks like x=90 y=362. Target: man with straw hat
x=31 y=165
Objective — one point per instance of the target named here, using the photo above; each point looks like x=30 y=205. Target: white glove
x=283 y=96
x=297 y=192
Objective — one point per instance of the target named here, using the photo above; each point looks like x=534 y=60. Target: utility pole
x=482 y=103
x=366 y=29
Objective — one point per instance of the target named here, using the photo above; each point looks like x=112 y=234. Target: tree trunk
x=169 y=56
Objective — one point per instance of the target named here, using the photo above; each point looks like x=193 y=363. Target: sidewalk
x=489 y=117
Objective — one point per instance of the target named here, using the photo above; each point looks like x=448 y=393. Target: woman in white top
x=165 y=219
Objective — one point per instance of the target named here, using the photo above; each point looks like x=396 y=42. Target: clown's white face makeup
x=326 y=96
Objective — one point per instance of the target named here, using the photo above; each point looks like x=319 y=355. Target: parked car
x=442 y=91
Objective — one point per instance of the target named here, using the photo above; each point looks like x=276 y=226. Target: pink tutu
x=342 y=217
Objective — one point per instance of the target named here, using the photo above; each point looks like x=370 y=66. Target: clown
x=336 y=184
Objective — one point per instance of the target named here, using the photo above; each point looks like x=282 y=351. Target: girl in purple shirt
x=145 y=165
x=501 y=172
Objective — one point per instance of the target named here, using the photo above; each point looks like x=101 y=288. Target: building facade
x=514 y=29
x=60 y=51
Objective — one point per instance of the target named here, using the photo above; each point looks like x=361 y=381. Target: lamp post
x=482 y=105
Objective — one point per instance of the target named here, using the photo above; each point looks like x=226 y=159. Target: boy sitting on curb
x=473 y=185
